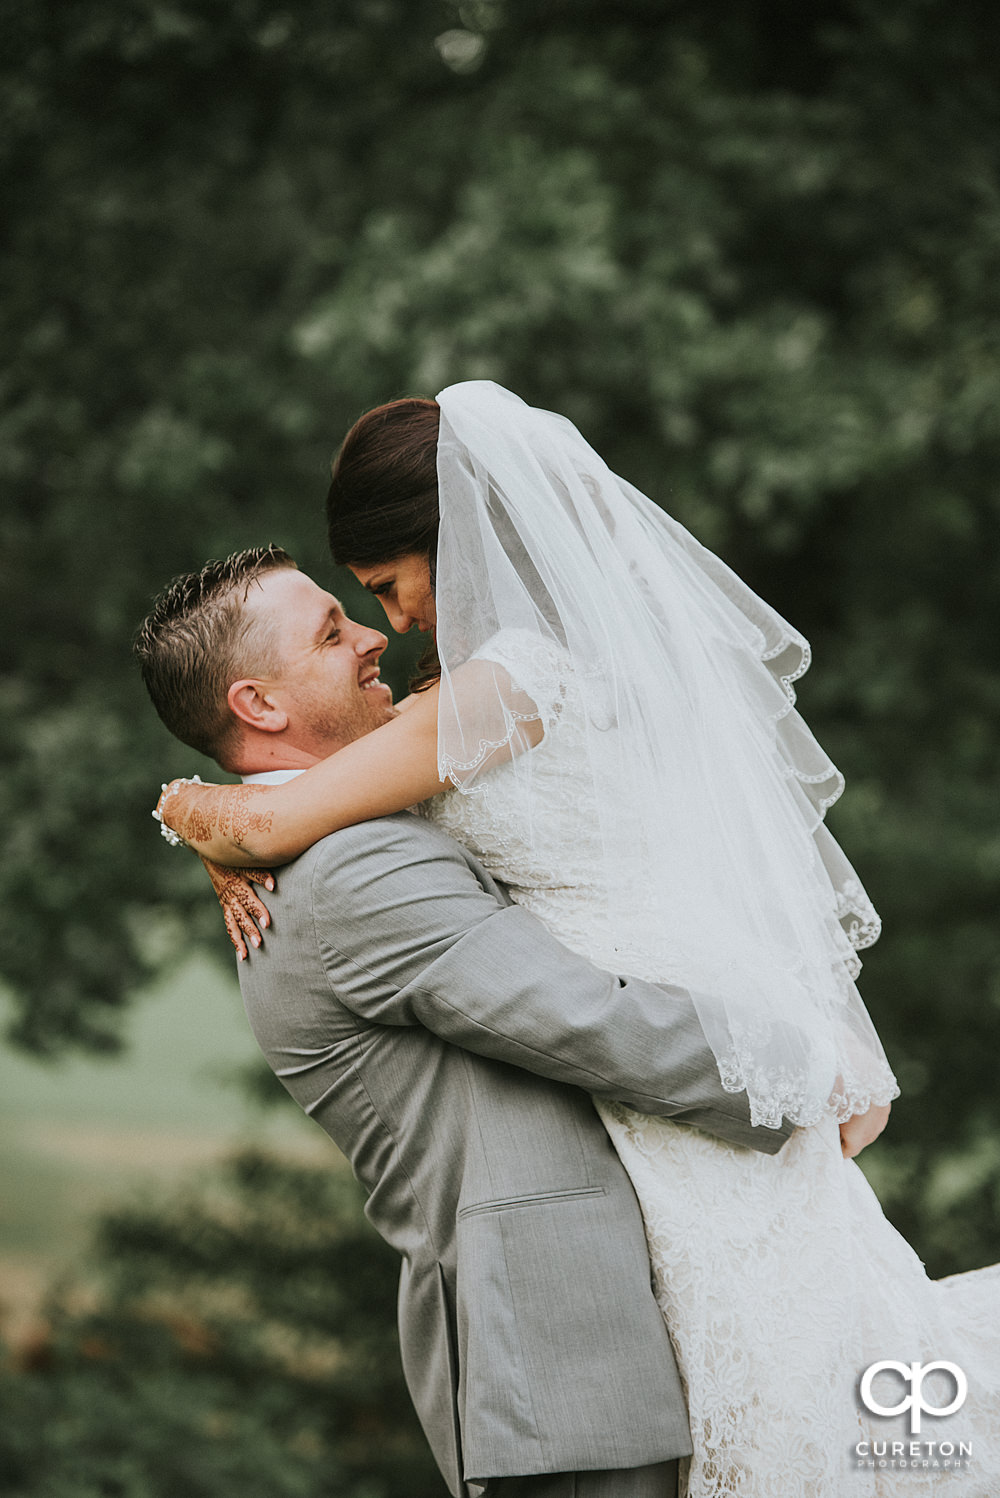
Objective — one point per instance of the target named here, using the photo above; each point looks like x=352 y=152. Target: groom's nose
x=367 y=640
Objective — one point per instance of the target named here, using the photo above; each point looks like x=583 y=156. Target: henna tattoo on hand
x=226 y=807
x=242 y=911
x=232 y=890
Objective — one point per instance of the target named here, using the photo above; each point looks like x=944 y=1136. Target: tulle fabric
x=707 y=789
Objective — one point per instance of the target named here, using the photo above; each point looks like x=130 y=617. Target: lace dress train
x=781 y=1281
x=779 y=1277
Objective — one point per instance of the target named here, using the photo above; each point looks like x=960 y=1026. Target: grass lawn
x=81 y=1133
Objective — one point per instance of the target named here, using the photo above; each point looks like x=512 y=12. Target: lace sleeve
x=538 y=670
x=489 y=705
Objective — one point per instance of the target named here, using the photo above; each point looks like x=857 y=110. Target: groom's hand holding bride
x=862 y=1129
x=245 y=915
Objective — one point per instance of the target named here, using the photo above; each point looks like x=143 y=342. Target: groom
x=448 y=1044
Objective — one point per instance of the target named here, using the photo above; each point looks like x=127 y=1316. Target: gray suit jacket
x=448 y=1044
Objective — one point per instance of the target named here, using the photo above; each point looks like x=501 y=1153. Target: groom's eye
x=381 y=588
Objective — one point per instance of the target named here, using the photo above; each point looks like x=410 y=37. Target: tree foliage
x=752 y=250
x=243 y=1342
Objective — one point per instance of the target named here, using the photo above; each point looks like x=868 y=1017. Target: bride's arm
x=386 y=771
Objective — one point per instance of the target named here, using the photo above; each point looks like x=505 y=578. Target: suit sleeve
x=408 y=935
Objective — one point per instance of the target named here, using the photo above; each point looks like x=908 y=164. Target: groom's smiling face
x=328 y=677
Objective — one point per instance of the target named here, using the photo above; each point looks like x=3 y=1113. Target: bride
x=611 y=729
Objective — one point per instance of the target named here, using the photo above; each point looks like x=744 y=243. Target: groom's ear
x=250 y=702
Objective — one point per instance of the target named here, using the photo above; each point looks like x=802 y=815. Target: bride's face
x=403 y=587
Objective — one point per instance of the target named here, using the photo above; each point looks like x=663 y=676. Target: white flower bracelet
x=170 y=788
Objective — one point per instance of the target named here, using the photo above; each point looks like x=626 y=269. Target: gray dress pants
x=631 y=1482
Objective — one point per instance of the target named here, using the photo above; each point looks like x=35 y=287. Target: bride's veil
x=707 y=789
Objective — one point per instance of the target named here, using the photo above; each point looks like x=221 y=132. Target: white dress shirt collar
x=271 y=777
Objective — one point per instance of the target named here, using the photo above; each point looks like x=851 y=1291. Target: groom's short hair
x=198 y=639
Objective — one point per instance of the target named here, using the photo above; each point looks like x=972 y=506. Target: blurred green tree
x=752 y=250
x=242 y=1342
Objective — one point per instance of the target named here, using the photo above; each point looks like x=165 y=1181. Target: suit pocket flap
x=534 y=1199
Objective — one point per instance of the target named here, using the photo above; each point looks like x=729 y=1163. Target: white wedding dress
x=779 y=1277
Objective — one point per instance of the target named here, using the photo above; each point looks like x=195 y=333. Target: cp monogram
x=914 y=1374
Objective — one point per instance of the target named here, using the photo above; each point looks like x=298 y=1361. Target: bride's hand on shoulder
x=244 y=913
x=862 y=1129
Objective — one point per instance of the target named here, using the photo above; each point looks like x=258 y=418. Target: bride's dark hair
x=383 y=498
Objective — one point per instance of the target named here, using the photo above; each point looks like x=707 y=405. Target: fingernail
x=255 y=940
x=264 y=920
x=269 y=883
x=240 y=956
